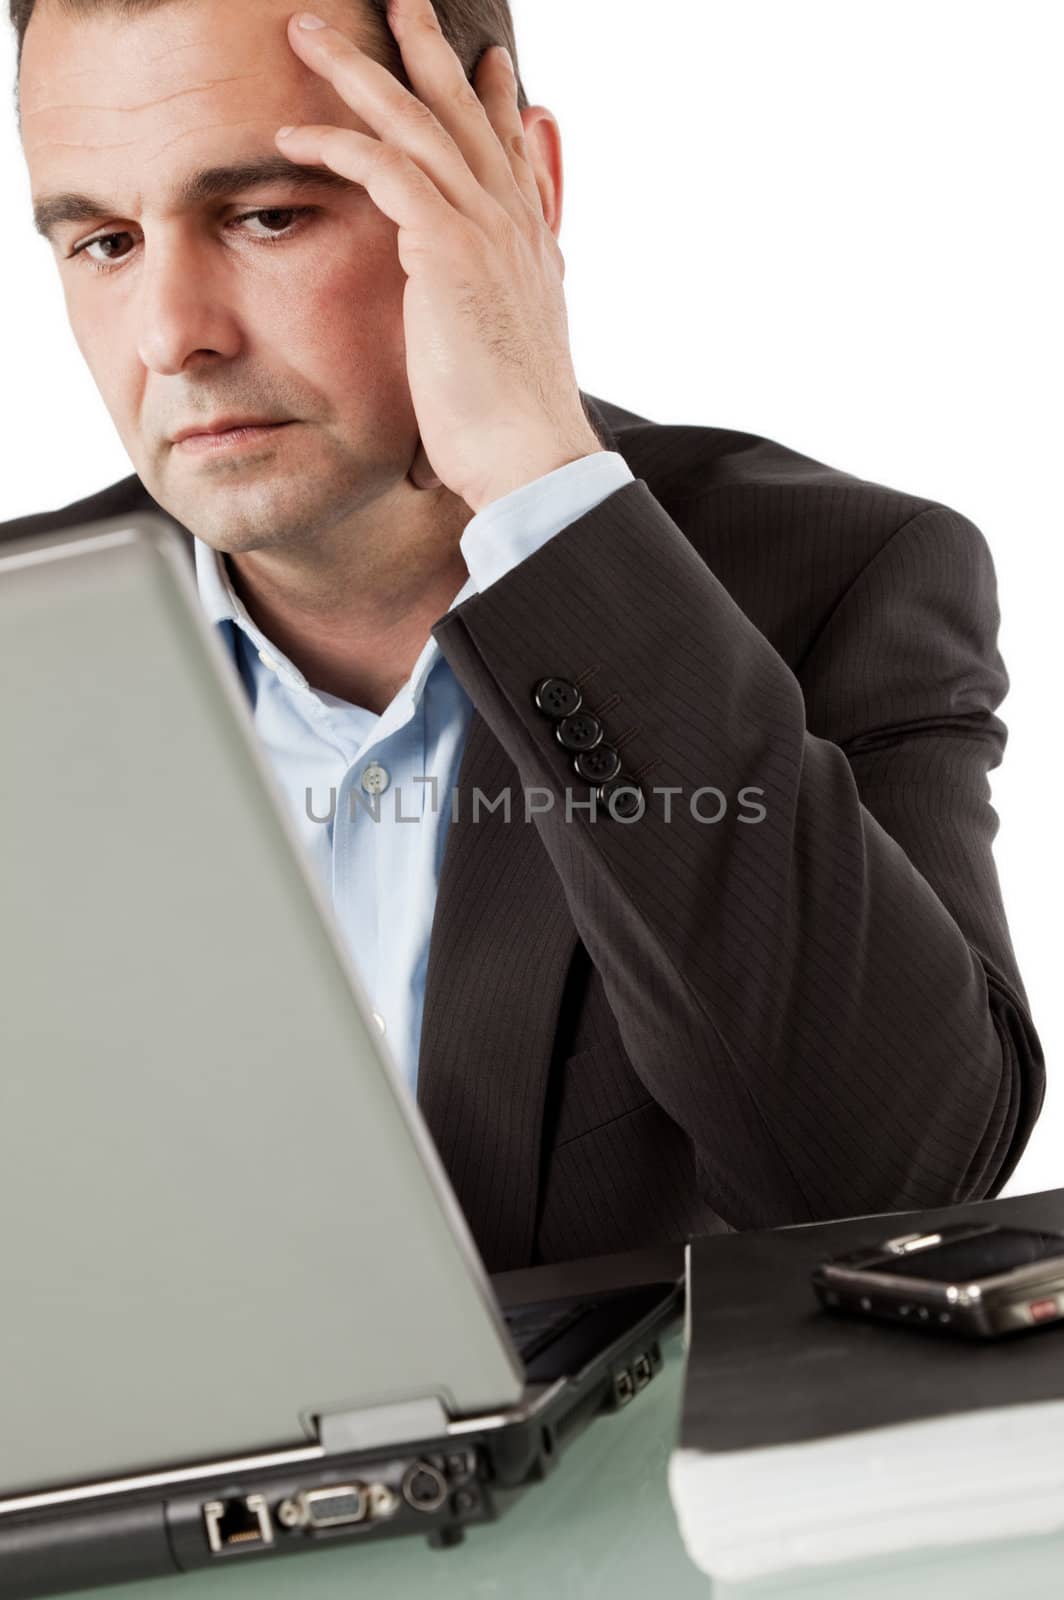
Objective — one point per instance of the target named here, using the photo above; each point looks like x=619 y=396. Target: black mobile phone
x=970 y=1278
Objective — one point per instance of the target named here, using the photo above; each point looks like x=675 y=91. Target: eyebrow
x=212 y=183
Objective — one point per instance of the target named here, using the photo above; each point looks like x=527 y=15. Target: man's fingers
x=396 y=115
x=394 y=182
x=497 y=89
x=439 y=80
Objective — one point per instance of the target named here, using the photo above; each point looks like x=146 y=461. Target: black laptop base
x=588 y=1356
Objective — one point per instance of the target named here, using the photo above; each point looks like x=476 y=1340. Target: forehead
x=146 y=95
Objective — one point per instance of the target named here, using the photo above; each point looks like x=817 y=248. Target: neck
x=353 y=608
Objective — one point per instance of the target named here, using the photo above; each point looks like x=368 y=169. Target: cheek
x=348 y=319
x=105 y=349
x=89 y=335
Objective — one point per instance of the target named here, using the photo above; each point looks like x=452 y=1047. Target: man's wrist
x=517 y=526
x=534 y=468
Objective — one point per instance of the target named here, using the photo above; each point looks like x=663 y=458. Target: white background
x=832 y=224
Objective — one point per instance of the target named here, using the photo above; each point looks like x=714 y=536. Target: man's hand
x=487 y=340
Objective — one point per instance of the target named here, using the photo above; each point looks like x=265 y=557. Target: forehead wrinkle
x=80 y=144
x=149 y=61
x=202 y=127
x=125 y=144
x=143 y=105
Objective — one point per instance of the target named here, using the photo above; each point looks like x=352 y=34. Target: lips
x=245 y=438
x=227 y=425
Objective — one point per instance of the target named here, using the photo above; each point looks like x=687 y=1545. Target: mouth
x=235 y=436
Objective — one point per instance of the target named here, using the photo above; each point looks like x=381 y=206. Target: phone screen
x=960 y=1260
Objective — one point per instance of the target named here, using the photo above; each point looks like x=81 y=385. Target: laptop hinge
x=374 y=1427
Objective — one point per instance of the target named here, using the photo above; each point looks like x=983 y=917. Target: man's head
x=195 y=296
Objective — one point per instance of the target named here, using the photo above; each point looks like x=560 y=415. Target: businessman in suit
x=734 y=953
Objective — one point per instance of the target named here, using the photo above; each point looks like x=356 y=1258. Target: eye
x=107 y=239
x=278 y=222
x=268 y=216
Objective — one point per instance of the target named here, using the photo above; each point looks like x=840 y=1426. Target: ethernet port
x=237 y=1525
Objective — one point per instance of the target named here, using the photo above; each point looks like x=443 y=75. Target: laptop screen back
x=222 y=1211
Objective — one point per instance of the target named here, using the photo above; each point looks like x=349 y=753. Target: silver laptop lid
x=222 y=1212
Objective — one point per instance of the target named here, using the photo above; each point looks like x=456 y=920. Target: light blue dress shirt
x=372 y=831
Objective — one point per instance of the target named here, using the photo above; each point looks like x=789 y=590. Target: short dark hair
x=470 y=27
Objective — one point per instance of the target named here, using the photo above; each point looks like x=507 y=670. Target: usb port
x=236 y=1525
x=642 y=1371
x=623 y=1387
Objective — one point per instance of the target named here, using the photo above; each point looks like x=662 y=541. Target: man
x=737 y=956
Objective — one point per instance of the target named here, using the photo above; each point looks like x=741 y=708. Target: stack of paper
x=810 y=1439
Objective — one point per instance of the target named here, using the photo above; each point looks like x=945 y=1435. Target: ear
x=544 y=140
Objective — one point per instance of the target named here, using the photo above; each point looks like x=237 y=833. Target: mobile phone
x=970 y=1278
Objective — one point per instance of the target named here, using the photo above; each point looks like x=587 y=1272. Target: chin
x=236 y=518
x=226 y=519
x=237 y=534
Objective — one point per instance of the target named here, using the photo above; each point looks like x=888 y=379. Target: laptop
x=242 y=1314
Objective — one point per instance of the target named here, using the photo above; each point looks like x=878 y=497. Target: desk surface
x=601 y=1527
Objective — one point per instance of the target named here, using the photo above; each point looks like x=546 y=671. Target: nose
x=184 y=309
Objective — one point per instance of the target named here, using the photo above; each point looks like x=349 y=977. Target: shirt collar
x=222 y=605
x=216 y=592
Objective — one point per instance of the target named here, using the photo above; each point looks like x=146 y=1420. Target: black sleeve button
x=579 y=732
x=598 y=765
x=623 y=798
x=557 y=698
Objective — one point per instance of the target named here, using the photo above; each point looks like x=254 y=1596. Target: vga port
x=331 y=1507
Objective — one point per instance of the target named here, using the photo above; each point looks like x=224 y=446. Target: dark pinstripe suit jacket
x=635 y=1031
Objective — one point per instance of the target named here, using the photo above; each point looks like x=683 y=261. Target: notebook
x=808 y=1438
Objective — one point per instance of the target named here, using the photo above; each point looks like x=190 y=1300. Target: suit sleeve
x=511 y=529
x=823 y=997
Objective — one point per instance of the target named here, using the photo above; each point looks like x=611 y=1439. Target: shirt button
x=268 y=662
x=376 y=778
x=379 y=1020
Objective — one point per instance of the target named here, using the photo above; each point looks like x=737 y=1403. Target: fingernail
x=282 y=133
x=507 y=57
x=307 y=19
